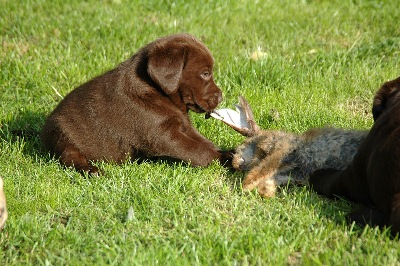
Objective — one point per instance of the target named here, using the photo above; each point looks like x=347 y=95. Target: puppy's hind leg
x=71 y=156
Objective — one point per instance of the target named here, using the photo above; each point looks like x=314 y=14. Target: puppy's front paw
x=225 y=158
x=90 y=170
x=251 y=181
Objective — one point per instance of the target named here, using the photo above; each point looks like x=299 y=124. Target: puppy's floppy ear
x=384 y=97
x=379 y=102
x=165 y=67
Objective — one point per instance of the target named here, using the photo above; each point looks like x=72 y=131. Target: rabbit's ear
x=249 y=116
x=241 y=120
x=385 y=96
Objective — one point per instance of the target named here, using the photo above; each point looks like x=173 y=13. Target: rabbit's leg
x=266 y=178
x=261 y=179
x=267 y=187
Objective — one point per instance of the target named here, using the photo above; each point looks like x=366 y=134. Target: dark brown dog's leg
x=395 y=214
x=368 y=216
x=71 y=156
x=323 y=182
x=346 y=183
x=374 y=217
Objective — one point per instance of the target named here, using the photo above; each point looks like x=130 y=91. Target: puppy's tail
x=394 y=219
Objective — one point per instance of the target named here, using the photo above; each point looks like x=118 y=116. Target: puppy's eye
x=206 y=75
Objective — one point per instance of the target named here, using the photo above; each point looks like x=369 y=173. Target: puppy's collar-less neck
x=177 y=101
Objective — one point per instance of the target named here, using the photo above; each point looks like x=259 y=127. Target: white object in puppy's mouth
x=231 y=117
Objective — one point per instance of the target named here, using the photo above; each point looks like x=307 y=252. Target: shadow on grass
x=336 y=210
x=341 y=211
x=24 y=129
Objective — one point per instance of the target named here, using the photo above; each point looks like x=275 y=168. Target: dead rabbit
x=273 y=157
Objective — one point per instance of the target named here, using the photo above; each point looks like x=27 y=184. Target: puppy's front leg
x=225 y=157
x=187 y=146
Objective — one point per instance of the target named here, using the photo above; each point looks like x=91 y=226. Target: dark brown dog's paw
x=367 y=216
x=318 y=180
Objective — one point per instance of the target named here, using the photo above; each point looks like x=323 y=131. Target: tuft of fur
x=3 y=205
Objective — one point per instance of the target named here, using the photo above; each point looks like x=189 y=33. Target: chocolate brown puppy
x=373 y=177
x=139 y=109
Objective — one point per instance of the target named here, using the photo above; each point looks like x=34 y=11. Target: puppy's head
x=181 y=64
x=385 y=97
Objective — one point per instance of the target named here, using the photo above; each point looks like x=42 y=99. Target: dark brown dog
x=373 y=178
x=139 y=109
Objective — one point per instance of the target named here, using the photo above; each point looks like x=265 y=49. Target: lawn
x=319 y=64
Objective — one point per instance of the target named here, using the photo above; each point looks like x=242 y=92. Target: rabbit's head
x=257 y=148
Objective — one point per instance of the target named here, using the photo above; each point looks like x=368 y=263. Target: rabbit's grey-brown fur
x=272 y=157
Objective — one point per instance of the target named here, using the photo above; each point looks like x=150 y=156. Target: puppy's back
x=84 y=115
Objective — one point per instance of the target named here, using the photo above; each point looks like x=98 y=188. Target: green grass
x=323 y=62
